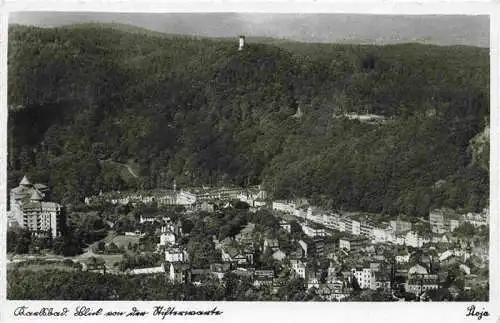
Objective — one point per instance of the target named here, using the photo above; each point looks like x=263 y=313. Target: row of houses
x=395 y=231
x=254 y=196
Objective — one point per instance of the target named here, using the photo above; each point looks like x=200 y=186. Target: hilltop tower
x=242 y=42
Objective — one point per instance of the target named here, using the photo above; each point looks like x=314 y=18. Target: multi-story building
x=313 y=232
x=366 y=229
x=185 y=198
x=400 y=227
x=176 y=254
x=299 y=267
x=30 y=211
x=355 y=227
x=476 y=219
x=284 y=206
x=443 y=220
x=365 y=277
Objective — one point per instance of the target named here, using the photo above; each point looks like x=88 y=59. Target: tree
x=23 y=243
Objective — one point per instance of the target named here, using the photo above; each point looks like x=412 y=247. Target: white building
x=344 y=244
x=176 y=255
x=167 y=238
x=402 y=259
x=365 y=277
x=186 y=198
x=414 y=240
x=30 y=211
x=284 y=206
x=356 y=228
x=299 y=267
x=148 y=271
x=313 y=232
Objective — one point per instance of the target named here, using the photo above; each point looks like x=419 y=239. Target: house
x=344 y=244
x=417 y=270
x=234 y=255
x=304 y=247
x=262 y=281
x=299 y=268
x=219 y=270
x=179 y=272
x=402 y=259
x=331 y=273
x=465 y=269
x=325 y=292
x=279 y=255
x=364 y=277
x=94 y=264
x=400 y=227
x=418 y=286
x=147 y=218
x=445 y=255
x=271 y=244
x=382 y=281
x=245 y=235
x=148 y=271
x=353 y=244
x=286 y=226
x=412 y=239
x=312 y=282
x=176 y=254
x=380 y=235
x=284 y=206
x=355 y=227
x=312 y=232
x=443 y=220
x=167 y=238
x=375 y=266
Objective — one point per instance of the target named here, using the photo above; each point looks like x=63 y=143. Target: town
x=281 y=250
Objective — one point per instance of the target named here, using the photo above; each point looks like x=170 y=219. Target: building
x=185 y=198
x=312 y=231
x=284 y=206
x=400 y=227
x=241 y=43
x=419 y=285
x=299 y=268
x=476 y=219
x=286 y=226
x=179 y=272
x=166 y=239
x=414 y=240
x=443 y=220
x=30 y=210
x=279 y=255
x=356 y=227
x=148 y=271
x=344 y=244
x=176 y=254
x=365 y=277
x=271 y=244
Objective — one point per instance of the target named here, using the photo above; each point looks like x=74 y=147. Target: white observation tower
x=242 y=42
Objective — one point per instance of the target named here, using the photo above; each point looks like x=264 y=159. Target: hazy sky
x=443 y=30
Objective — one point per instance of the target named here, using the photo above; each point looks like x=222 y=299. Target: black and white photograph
x=231 y=156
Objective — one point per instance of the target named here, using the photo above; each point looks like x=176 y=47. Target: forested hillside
x=84 y=98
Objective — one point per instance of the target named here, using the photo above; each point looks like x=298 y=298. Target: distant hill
x=199 y=111
x=316 y=28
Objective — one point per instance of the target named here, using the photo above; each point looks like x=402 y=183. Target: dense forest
x=87 y=100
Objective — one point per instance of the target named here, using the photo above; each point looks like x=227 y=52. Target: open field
x=123 y=241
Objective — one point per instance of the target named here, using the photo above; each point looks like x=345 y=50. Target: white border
x=278 y=312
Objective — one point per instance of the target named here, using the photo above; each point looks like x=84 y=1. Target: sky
x=345 y=28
